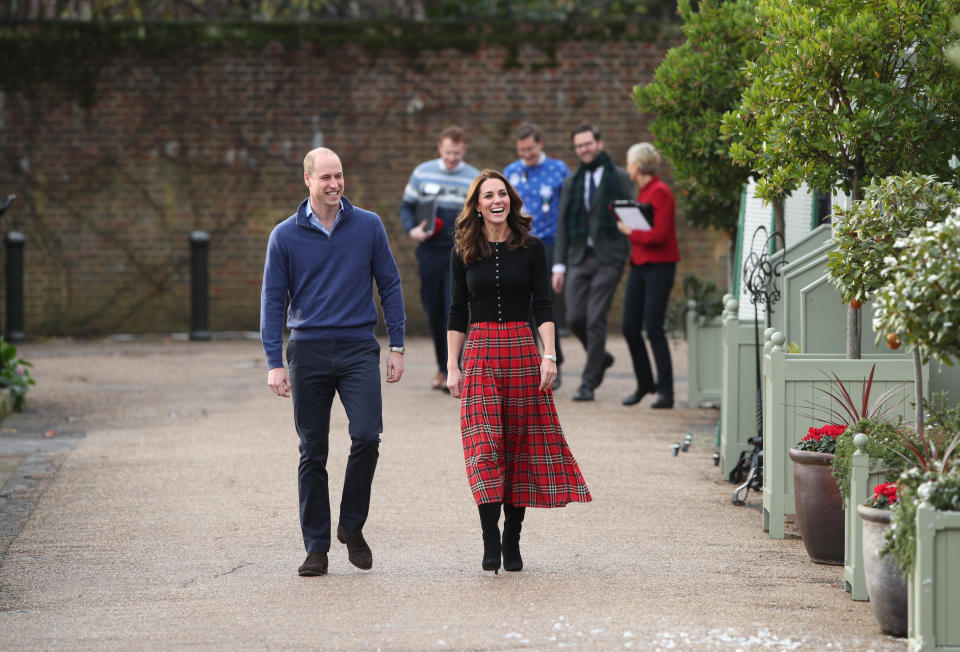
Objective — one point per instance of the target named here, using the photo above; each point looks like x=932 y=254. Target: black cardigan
x=500 y=288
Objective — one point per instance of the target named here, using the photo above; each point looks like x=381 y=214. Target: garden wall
x=120 y=140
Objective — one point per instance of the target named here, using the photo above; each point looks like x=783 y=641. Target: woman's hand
x=548 y=373
x=454 y=381
x=624 y=227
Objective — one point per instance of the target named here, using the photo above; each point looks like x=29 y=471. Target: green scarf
x=608 y=191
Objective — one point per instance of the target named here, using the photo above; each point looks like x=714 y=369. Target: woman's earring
x=479 y=214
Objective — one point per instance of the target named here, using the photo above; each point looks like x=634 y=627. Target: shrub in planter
x=886 y=584
x=819 y=511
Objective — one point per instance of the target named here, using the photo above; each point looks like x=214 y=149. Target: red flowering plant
x=821 y=440
x=884 y=495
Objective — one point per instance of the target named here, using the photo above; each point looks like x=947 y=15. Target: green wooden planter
x=934 y=590
x=738 y=416
x=790 y=387
x=703 y=357
x=862 y=481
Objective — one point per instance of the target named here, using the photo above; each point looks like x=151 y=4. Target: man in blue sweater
x=442 y=182
x=325 y=257
x=538 y=179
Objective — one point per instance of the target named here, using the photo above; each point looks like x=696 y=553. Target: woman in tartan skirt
x=513 y=446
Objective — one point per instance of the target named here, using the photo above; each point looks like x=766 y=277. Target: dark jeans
x=433 y=263
x=588 y=290
x=645 y=309
x=556 y=307
x=318 y=369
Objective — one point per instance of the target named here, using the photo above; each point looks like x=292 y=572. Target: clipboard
x=638 y=216
x=427 y=211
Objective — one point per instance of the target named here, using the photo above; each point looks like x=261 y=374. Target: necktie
x=591 y=189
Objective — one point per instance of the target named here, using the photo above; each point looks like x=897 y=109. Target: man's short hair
x=584 y=128
x=454 y=134
x=528 y=130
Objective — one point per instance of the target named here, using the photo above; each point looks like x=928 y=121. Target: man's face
x=586 y=146
x=528 y=149
x=451 y=153
x=325 y=181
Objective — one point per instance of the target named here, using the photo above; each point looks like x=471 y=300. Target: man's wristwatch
x=549 y=356
x=398 y=349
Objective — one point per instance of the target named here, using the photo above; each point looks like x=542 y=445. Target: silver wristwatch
x=549 y=356
x=398 y=349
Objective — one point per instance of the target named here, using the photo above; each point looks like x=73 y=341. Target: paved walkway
x=150 y=503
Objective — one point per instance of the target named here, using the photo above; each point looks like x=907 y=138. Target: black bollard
x=14 y=271
x=199 y=285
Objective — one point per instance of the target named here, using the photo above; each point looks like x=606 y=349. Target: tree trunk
x=731 y=258
x=779 y=226
x=854 y=317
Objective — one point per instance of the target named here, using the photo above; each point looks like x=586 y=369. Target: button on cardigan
x=501 y=287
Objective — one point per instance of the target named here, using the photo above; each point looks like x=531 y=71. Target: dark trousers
x=433 y=263
x=556 y=308
x=589 y=289
x=645 y=309
x=318 y=369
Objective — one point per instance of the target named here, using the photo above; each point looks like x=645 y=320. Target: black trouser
x=645 y=309
x=433 y=263
x=318 y=369
x=556 y=309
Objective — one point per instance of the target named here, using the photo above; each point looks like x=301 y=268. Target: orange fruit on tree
x=893 y=340
x=856 y=304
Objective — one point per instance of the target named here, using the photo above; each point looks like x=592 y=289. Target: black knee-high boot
x=489 y=523
x=512 y=524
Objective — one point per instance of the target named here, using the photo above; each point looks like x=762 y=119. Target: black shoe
x=489 y=519
x=662 y=402
x=584 y=393
x=607 y=363
x=358 y=552
x=315 y=564
x=557 y=381
x=512 y=524
x=638 y=395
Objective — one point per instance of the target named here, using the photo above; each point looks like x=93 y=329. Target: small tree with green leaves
x=919 y=301
x=695 y=84
x=846 y=91
x=867 y=232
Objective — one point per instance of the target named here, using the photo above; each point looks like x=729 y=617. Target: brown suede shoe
x=314 y=564
x=357 y=549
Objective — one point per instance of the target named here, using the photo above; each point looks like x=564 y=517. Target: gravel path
x=161 y=513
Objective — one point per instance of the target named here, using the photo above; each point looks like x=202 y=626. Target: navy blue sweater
x=328 y=279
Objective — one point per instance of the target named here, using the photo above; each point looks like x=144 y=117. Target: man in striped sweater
x=444 y=180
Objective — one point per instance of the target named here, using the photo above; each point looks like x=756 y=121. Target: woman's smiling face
x=493 y=202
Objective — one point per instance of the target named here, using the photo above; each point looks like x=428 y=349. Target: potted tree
x=920 y=303
x=886 y=583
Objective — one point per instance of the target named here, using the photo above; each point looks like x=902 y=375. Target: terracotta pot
x=886 y=585
x=819 y=506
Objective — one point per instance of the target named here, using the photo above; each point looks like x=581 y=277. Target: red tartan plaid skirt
x=513 y=446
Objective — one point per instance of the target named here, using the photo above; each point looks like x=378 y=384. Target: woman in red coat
x=653 y=265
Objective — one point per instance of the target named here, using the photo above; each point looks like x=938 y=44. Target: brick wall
x=111 y=183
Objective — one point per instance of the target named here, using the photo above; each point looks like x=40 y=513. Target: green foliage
x=793 y=347
x=941 y=490
x=920 y=298
x=884 y=446
x=693 y=87
x=846 y=91
x=14 y=374
x=866 y=233
x=707 y=296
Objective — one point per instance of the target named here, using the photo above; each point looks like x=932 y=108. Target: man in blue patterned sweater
x=538 y=179
x=446 y=181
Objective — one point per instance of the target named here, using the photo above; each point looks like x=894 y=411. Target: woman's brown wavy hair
x=470 y=243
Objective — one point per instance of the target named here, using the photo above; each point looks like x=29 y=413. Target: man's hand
x=279 y=381
x=557 y=282
x=419 y=234
x=394 y=367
